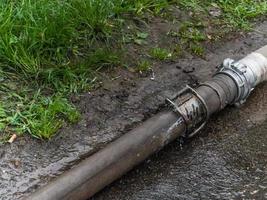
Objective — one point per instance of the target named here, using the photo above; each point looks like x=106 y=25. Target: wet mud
x=228 y=159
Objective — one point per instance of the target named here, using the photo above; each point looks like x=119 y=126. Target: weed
x=235 y=13
x=144 y=66
x=197 y=49
x=192 y=32
x=40 y=34
x=141 y=6
x=140 y=38
x=195 y=5
x=238 y=13
x=103 y=58
x=160 y=53
x=178 y=50
x=48 y=114
x=190 y=37
x=95 y=15
x=2 y=117
x=39 y=116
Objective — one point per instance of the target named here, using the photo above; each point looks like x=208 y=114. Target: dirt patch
x=109 y=112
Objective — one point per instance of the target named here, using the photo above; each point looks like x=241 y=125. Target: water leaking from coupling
x=193 y=109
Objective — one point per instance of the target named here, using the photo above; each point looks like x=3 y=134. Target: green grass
x=50 y=49
x=40 y=116
x=141 y=6
x=234 y=13
x=160 y=53
x=238 y=13
x=191 y=35
x=202 y=25
x=42 y=34
x=143 y=66
x=56 y=48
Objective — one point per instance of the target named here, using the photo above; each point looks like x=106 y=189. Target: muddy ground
x=228 y=159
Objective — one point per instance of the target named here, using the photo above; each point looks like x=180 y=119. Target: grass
x=55 y=48
x=142 y=6
x=238 y=13
x=40 y=116
x=160 y=53
x=191 y=35
x=42 y=34
x=203 y=25
x=143 y=66
x=233 y=13
x=51 y=49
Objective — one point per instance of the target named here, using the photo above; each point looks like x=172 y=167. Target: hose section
x=232 y=84
x=113 y=161
x=191 y=109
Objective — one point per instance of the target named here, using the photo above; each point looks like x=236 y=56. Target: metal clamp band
x=193 y=109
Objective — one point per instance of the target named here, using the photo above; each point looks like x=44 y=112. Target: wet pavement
x=226 y=161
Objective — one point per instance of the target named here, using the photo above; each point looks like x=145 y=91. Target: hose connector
x=246 y=73
x=242 y=76
x=192 y=108
x=232 y=84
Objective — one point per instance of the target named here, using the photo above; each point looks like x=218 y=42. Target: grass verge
x=51 y=49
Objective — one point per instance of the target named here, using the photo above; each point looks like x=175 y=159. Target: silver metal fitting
x=232 y=84
x=242 y=76
x=246 y=73
x=192 y=108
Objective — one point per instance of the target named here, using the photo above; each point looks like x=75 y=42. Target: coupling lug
x=242 y=77
x=192 y=108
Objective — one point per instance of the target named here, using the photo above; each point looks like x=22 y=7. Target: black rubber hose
x=113 y=161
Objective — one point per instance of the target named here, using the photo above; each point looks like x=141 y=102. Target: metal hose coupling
x=193 y=109
x=231 y=84
x=246 y=73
